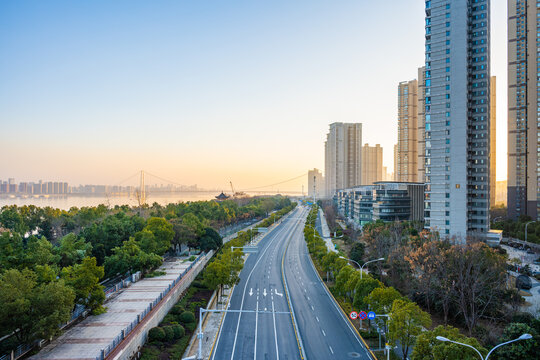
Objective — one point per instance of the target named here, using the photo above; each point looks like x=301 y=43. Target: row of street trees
x=408 y=324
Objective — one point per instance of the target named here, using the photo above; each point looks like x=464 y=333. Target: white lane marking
x=323 y=332
x=308 y=298
x=331 y=350
x=312 y=308
x=275 y=330
x=256 y=321
x=316 y=317
x=244 y=295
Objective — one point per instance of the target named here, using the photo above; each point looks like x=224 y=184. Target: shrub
x=179 y=331
x=169 y=333
x=177 y=310
x=149 y=353
x=192 y=258
x=156 y=334
x=191 y=326
x=169 y=318
x=198 y=284
x=187 y=317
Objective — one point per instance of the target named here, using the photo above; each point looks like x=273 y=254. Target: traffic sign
x=353 y=315
x=362 y=315
x=371 y=315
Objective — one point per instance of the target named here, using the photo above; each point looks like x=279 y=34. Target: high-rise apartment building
x=407 y=161
x=316 y=187
x=372 y=164
x=523 y=104
x=421 y=136
x=457 y=117
x=493 y=141
x=343 y=156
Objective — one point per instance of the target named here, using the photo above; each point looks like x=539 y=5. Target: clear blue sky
x=203 y=91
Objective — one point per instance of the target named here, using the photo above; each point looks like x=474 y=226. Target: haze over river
x=65 y=202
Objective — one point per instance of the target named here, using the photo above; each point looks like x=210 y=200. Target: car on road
x=530 y=251
x=523 y=282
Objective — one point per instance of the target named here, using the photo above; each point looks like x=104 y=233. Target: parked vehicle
x=523 y=282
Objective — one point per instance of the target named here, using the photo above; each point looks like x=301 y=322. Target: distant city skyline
x=93 y=92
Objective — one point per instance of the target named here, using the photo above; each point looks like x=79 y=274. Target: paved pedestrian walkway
x=210 y=327
x=86 y=339
x=325 y=232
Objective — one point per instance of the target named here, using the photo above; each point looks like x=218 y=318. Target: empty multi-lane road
x=270 y=327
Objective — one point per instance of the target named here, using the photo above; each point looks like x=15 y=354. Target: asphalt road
x=265 y=330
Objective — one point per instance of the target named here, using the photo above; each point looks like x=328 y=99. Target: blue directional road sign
x=371 y=315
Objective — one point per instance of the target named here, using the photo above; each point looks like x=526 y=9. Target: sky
x=206 y=92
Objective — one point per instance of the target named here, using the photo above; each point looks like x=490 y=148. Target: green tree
x=39 y=251
x=523 y=349
x=194 y=228
x=146 y=241
x=163 y=234
x=350 y=285
x=358 y=251
x=130 y=257
x=427 y=347
x=381 y=299
x=31 y=310
x=11 y=219
x=215 y=276
x=363 y=288
x=11 y=250
x=405 y=324
x=72 y=250
x=211 y=240
x=84 y=279
x=342 y=278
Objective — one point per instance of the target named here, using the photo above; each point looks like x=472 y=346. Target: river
x=65 y=202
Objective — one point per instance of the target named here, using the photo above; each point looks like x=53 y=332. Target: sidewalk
x=87 y=339
x=325 y=232
x=210 y=327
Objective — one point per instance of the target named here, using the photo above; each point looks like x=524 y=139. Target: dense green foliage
x=516 y=228
x=51 y=260
x=429 y=348
x=465 y=280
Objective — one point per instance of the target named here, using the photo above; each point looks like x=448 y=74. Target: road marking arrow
x=264 y=292
x=250 y=291
x=278 y=294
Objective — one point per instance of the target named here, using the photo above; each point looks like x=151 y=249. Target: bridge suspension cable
x=278 y=183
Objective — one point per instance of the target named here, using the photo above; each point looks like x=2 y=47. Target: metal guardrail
x=140 y=317
x=514 y=240
x=19 y=351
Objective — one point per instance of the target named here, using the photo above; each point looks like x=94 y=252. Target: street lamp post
x=361 y=266
x=527 y=224
x=522 y=337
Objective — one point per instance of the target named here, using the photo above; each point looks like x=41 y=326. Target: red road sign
x=362 y=315
x=353 y=315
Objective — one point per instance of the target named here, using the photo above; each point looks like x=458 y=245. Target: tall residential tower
x=372 y=164
x=457 y=120
x=523 y=105
x=343 y=156
x=407 y=162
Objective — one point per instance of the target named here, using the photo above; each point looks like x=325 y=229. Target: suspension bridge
x=147 y=184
